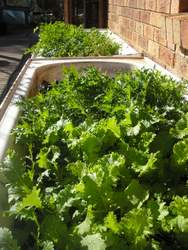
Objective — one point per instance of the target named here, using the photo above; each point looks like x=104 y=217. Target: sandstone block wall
x=159 y=28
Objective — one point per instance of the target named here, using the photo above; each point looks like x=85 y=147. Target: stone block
x=184 y=33
x=148 y=31
x=151 y=5
x=141 y=4
x=166 y=56
x=176 y=31
x=157 y=19
x=133 y=3
x=142 y=43
x=125 y=12
x=181 y=65
x=125 y=3
x=153 y=49
x=164 y=6
x=132 y=25
x=175 y=5
x=169 y=30
x=136 y=14
x=140 y=28
x=145 y=16
x=135 y=38
x=159 y=36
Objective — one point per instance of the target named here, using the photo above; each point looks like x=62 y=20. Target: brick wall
x=155 y=27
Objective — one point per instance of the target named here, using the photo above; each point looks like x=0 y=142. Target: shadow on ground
x=13 y=45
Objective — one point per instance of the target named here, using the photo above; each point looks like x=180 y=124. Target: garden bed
x=62 y=40
x=104 y=163
x=36 y=71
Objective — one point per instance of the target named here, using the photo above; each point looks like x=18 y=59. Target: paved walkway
x=12 y=47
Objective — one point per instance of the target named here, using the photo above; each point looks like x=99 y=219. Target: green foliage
x=103 y=164
x=137 y=226
x=181 y=129
x=60 y=39
x=181 y=151
x=93 y=242
x=47 y=245
x=6 y=240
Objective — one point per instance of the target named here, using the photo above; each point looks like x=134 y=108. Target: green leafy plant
x=6 y=240
x=60 y=39
x=101 y=163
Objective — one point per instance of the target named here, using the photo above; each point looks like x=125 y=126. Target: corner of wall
x=154 y=27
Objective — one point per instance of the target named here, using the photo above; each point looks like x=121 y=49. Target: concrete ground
x=12 y=47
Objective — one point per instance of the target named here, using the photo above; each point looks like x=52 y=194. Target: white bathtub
x=36 y=71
